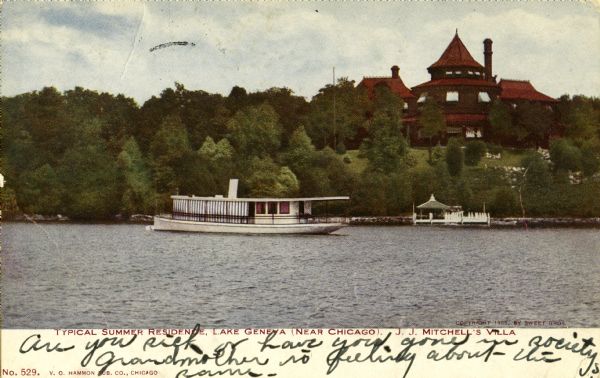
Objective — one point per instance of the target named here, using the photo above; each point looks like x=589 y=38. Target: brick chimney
x=487 y=53
x=395 y=72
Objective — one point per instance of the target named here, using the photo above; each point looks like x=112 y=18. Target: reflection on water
x=122 y=276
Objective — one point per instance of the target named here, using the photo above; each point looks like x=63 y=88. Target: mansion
x=464 y=89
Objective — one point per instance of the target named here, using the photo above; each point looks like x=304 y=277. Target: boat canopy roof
x=433 y=204
x=219 y=198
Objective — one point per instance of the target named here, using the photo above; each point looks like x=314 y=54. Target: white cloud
x=105 y=46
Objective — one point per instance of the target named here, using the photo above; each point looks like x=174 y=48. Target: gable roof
x=396 y=85
x=456 y=55
x=521 y=90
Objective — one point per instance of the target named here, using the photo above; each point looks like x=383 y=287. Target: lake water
x=122 y=276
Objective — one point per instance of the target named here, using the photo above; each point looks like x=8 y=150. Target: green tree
x=89 y=175
x=370 y=195
x=224 y=150
x=255 y=131
x=8 y=203
x=49 y=124
x=336 y=113
x=208 y=150
x=437 y=155
x=537 y=177
x=291 y=109
x=565 y=155
x=590 y=157
x=501 y=122
x=581 y=115
x=300 y=151
x=171 y=140
x=474 y=152
x=461 y=193
x=387 y=148
x=237 y=99
x=399 y=193
x=386 y=101
x=432 y=121
x=40 y=191
x=504 y=203
x=219 y=159
x=137 y=193
x=533 y=121
x=196 y=175
x=267 y=179
x=454 y=157
x=427 y=180
x=202 y=114
x=168 y=148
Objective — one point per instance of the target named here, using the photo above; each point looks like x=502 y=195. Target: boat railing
x=264 y=218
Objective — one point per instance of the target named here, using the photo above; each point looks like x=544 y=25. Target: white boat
x=437 y=213
x=247 y=215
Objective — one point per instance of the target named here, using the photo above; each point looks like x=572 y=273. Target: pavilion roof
x=433 y=204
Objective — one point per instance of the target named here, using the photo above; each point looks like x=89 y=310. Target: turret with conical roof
x=456 y=61
x=460 y=85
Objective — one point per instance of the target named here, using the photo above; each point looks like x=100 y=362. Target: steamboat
x=247 y=215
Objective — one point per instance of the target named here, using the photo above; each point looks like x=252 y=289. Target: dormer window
x=458 y=72
x=452 y=96
x=449 y=73
x=477 y=73
x=422 y=98
x=470 y=72
x=483 y=97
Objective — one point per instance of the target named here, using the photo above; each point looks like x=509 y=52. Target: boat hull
x=166 y=224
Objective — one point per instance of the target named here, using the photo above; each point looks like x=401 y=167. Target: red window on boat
x=272 y=207
x=260 y=208
x=284 y=207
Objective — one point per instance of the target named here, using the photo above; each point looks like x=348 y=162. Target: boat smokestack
x=233 y=186
x=487 y=54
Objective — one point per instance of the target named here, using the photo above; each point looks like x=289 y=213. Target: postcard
x=293 y=189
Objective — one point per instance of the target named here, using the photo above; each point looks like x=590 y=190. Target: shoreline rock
x=546 y=222
x=38 y=218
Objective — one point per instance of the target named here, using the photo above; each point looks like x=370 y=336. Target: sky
x=106 y=46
